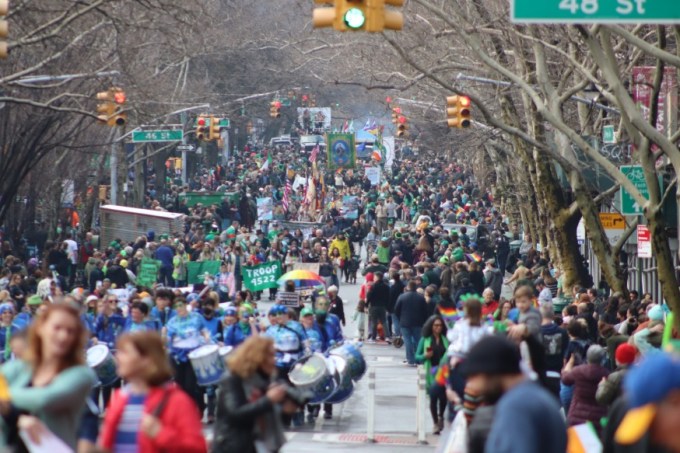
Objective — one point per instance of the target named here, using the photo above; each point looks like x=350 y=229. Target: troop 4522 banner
x=262 y=276
x=341 y=151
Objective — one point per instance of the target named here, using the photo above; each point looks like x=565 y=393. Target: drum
x=186 y=344
x=354 y=358
x=224 y=351
x=311 y=374
x=207 y=364
x=343 y=380
x=100 y=359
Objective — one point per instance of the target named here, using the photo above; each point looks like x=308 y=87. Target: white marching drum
x=100 y=359
x=207 y=364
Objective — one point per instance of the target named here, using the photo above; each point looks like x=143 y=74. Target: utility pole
x=183 y=120
x=113 y=166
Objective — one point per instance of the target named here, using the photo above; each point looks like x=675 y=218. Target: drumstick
x=4 y=388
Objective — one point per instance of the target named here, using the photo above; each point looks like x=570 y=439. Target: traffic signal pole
x=183 y=120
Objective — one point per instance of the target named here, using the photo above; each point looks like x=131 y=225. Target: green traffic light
x=355 y=18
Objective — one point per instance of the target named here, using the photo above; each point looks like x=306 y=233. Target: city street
x=395 y=411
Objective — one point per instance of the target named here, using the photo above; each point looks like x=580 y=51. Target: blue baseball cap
x=6 y=307
x=646 y=385
x=275 y=310
x=192 y=297
x=230 y=311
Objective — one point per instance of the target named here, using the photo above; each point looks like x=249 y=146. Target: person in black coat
x=377 y=300
x=396 y=289
x=411 y=309
x=249 y=404
x=96 y=275
x=337 y=305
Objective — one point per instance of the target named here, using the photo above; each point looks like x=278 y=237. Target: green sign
x=596 y=11
x=148 y=272
x=261 y=276
x=196 y=270
x=608 y=134
x=224 y=122
x=169 y=135
x=635 y=174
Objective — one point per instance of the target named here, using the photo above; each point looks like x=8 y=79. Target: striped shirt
x=128 y=428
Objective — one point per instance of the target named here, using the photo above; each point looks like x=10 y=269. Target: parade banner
x=341 y=151
x=350 y=207
x=313 y=267
x=261 y=276
x=373 y=175
x=288 y=299
x=196 y=270
x=148 y=272
x=265 y=208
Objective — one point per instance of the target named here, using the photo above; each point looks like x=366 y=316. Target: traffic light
x=112 y=110
x=4 y=28
x=202 y=131
x=214 y=129
x=402 y=126
x=275 y=109
x=458 y=111
x=396 y=113
x=358 y=15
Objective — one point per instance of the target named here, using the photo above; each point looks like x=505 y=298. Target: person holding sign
x=47 y=391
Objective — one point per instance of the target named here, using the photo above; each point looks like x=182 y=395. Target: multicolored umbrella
x=302 y=278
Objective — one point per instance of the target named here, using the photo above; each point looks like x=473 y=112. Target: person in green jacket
x=431 y=352
x=47 y=389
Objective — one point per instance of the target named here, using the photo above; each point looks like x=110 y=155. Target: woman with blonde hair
x=149 y=414
x=249 y=404
x=47 y=391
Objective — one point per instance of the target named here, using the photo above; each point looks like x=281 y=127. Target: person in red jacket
x=150 y=412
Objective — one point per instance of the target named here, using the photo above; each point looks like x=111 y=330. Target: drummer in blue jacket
x=328 y=321
x=330 y=324
x=315 y=336
x=245 y=327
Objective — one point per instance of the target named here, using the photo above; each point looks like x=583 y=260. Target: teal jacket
x=423 y=344
x=59 y=404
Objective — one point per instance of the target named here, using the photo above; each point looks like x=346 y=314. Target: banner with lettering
x=261 y=276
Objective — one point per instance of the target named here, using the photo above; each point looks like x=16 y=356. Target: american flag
x=314 y=154
x=286 y=194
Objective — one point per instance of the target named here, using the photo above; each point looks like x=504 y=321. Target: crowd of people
x=433 y=257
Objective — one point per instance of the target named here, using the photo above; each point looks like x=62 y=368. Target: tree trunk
x=598 y=237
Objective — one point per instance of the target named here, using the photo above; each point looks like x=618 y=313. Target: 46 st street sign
x=596 y=11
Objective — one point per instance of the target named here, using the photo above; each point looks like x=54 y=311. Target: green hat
x=444 y=259
x=34 y=300
x=123 y=253
x=445 y=243
x=306 y=312
x=209 y=237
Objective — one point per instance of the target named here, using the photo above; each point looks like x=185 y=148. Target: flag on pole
x=286 y=194
x=267 y=163
x=345 y=127
x=377 y=154
x=369 y=126
x=350 y=128
x=314 y=154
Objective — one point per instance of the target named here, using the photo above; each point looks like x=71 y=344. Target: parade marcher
x=377 y=300
x=47 y=390
x=7 y=330
x=246 y=326
x=184 y=333
x=149 y=413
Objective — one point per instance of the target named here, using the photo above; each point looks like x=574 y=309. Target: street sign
x=185 y=148
x=224 y=122
x=596 y=11
x=628 y=204
x=608 y=134
x=644 y=242
x=614 y=225
x=167 y=135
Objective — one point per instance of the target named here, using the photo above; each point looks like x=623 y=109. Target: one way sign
x=188 y=148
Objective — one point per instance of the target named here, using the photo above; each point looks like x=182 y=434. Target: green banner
x=341 y=151
x=148 y=272
x=262 y=276
x=196 y=270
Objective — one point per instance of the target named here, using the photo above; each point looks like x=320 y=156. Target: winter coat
x=411 y=309
x=181 y=423
x=585 y=379
x=611 y=389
